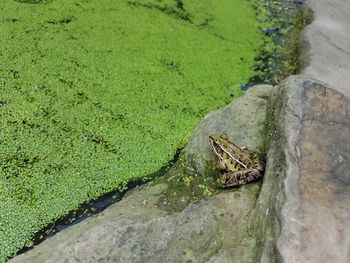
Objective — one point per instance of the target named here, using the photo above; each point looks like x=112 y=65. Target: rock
x=303 y=209
x=133 y=232
x=140 y=228
x=325 y=47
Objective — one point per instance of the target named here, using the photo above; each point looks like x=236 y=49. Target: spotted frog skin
x=239 y=165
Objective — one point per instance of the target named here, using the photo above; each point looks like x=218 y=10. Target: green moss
x=96 y=93
x=184 y=187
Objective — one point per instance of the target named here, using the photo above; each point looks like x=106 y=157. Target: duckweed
x=96 y=93
x=281 y=21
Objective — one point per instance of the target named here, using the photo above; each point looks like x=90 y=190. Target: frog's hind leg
x=240 y=178
x=249 y=175
x=229 y=180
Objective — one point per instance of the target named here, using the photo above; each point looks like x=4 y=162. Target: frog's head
x=219 y=144
x=224 y=148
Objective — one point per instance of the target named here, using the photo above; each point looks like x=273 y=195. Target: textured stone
x=306 y=190
x=137 y=231
x=326 y=44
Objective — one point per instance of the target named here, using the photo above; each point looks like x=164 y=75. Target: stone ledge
x=316 y=184
x=326 y=44
x=303 y=209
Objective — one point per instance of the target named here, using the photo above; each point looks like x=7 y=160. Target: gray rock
x=138 y=231
x=303 y=209
x=325 y=52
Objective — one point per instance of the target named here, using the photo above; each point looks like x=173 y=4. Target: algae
x=94 y=94
x=184 y=187
x=281 y=21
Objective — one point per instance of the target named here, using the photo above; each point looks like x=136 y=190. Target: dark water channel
x=287 y=20
x=93 y=207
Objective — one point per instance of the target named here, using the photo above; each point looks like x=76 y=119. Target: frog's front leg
x=221 y=165
x=240 y=178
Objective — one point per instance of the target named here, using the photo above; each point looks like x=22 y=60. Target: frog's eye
x=218 y=149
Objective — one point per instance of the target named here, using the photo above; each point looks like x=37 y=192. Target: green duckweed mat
x=96 y=93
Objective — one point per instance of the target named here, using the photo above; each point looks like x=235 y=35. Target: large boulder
x=303 y=209
x=325 y=47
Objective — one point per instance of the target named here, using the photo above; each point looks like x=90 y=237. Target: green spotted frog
x=239 y=165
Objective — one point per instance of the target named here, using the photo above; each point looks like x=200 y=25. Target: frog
x=238 y=164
